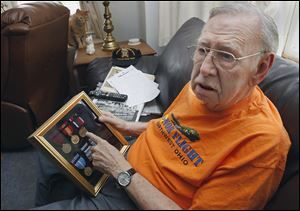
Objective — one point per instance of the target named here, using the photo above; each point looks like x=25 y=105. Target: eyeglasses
x=221 y=59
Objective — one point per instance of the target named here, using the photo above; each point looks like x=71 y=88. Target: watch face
x=124 y=179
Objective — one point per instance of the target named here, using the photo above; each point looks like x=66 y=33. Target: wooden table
x=82 y=60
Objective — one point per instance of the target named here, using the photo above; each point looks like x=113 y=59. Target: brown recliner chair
x=34 y=74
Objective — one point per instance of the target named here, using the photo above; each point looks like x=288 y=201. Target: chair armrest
x=96 y=72
x=10 y=139
x=74 y=85
x=148 y=64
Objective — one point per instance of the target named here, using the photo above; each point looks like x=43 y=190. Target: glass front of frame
x=64 y=137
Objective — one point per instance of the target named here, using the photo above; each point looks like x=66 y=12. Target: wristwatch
x=124 y=178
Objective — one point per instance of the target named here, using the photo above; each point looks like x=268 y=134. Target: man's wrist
x=128 y=126
x=124 y=177
x=116 y=172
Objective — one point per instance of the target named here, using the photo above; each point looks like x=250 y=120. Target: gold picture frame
x=63 y=138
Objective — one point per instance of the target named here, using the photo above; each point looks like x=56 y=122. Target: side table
x=82 y=59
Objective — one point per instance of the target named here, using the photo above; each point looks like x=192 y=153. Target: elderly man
x=220 y=145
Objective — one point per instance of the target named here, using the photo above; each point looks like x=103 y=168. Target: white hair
x=269 y=31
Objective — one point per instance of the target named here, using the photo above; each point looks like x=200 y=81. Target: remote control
x=109 y=96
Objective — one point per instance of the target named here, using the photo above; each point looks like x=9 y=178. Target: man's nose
x=208 y=67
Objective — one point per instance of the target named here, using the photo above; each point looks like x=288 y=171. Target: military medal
x=68 y=130
x=80 y=163
x=89 y=155
x=88 y=152
x=92 y=142
x=84 y=147
x=62 y=127
x=66 y=148
x=82 y=132
x=80 y=121
x=76 y=125
x=75 y=158
x=88 y=171
x=59 y=140
x=75 y=139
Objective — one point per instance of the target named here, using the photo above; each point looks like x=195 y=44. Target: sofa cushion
x=175 y=64
x=282 y=87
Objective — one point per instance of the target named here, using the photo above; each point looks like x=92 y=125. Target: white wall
x=152 y=27
x=135 y=19
x=127 y=18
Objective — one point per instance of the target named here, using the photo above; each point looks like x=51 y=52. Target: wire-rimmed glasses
x=220 y=58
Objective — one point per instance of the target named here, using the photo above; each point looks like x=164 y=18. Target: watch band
x=131 y=171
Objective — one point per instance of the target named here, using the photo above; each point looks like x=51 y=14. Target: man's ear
x=263 y=67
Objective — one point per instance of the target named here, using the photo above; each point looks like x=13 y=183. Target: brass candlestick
x=109 y=42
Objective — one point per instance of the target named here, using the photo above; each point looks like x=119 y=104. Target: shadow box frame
x=41 y=139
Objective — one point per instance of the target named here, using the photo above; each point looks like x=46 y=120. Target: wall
x=5 y=5
x=151 y=24
x=131 y=19
x=127 y=18
x=135 y=19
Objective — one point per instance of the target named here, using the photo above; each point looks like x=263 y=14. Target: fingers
x=94 y=138
x=108 y=119
x=106 y=113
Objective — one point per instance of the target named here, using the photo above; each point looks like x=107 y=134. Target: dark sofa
x=173 y=68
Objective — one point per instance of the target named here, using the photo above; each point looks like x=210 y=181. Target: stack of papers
x=132 y=82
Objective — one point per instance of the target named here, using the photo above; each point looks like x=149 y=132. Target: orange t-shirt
x=237 y=163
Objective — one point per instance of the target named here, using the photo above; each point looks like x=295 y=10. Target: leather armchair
x=34 y=74
x=173 y=69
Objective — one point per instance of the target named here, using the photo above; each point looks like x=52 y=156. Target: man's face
x=218 y=87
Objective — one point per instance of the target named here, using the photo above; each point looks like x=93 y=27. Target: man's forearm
x=148 y=197
x=136 y=128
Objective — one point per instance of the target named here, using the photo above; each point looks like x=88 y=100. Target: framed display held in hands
x=63 y=138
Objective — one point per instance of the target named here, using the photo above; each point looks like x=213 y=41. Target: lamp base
x=109 y=46
x=109 y=43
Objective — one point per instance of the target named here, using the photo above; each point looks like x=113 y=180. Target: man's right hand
x=119 y=124
x=124 y=127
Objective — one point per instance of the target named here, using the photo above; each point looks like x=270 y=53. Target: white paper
x=133 y=83
x=144 y=75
